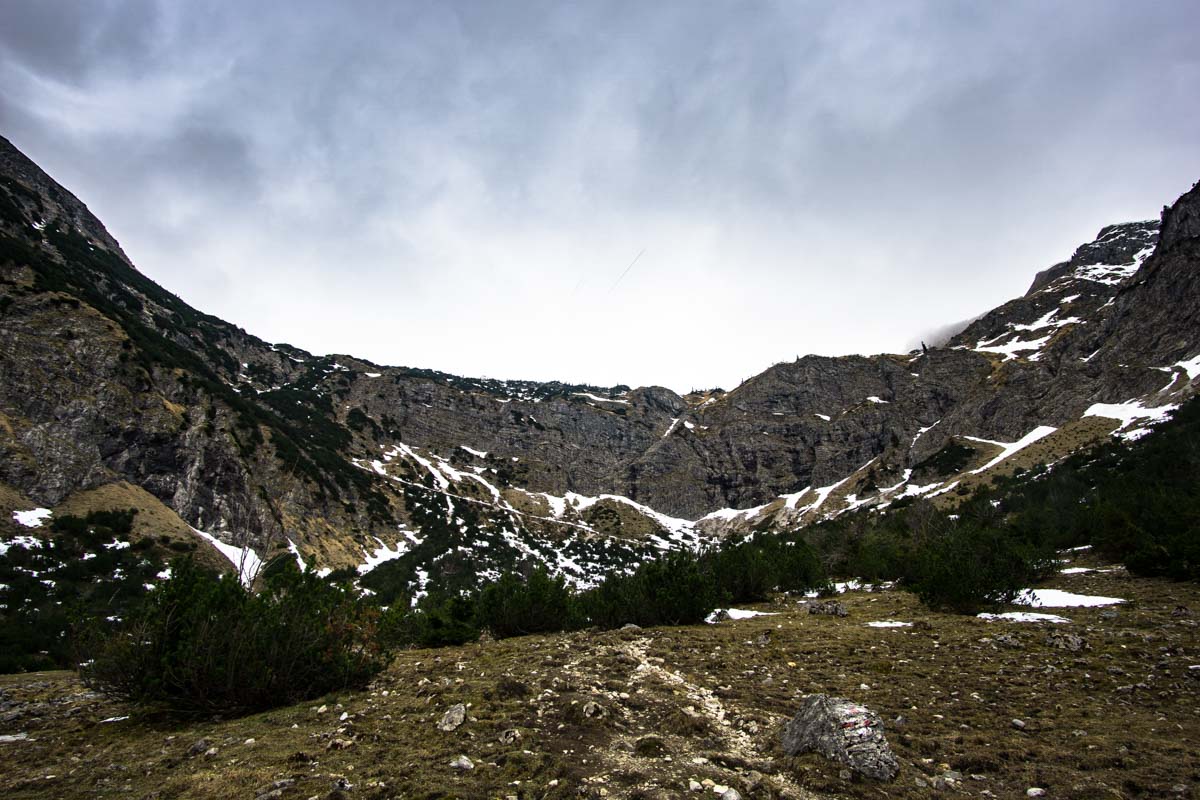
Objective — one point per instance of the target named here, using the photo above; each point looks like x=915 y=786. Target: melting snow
x=1128 y=413
x=1057 y=598
x=1046 y=321
x=923 y=431
x=244 y=559
x=382 y=553
x=1025 y=616
x=1010 y=350
x=1191 y=366
x=822 y=416
x=28 y=542
x=1009 y=449
x=737 y=613
x=473 y=451
x=1110 y=274
x=889 y=623
x=875 y=399
x=599 y=399
x=32 y=518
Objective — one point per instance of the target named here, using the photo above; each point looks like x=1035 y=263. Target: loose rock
x=1066 y=641
x=844 y=731
x=463 y=763
x=454 y=716
x=199 y=748
x=830 y=608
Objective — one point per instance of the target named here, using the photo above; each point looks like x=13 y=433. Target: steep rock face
x=1157 y=313
x=105 y=376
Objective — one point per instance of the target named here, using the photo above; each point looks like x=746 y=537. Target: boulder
x=830 y=608
x=454 y=716
x=1066 y=641
x=843 y=731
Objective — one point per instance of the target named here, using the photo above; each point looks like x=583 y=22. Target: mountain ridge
x=107 y=377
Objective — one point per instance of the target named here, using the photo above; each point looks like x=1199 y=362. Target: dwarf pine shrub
x=203 y=643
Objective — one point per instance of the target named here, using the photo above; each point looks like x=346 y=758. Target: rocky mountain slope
x=106 y=377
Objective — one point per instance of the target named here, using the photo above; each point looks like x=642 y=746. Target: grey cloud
x=773 y=159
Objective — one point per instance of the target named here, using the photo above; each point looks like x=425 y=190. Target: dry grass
x=1120 y=719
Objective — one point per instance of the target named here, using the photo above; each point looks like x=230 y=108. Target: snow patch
x=32 y=518
x=1128 y=413
x=599 y=399
x=244 y=559
x=382 y=553
x=1024 y=616
x=1008 y=449
x=737 y=613
x=889 y=623
x=1010 y=350
x=1057 y=598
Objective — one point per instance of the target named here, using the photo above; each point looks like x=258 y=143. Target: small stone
x=454 y=717
x=510 y=736
x=463 y=763
x=1035 y=791
x=694 y=786
x=593 y=710
x=1019 y=724
x=731 y=794
x=199 y=748
x=249 y=743
x=211 y=752
x=339 y=744
x=322 y=709
x=629 y=626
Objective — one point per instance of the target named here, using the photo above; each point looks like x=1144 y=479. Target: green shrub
x=673 y=589
x=202 y=643
x=439 y=620
x=968 y=568
x=515 y=607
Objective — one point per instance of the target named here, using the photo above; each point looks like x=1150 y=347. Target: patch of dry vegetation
x=641 y=713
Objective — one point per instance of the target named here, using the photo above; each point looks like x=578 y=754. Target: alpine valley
x=115 y=393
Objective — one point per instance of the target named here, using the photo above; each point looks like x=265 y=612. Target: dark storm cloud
x=458 y=184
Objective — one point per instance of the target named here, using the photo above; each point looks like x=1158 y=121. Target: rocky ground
x=1107 y=705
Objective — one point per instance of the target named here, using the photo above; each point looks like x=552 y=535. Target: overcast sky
x=462 y=186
